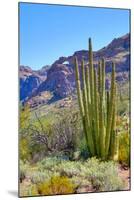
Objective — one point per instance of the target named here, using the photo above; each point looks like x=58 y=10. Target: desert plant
x=84 y=152
x=39 y=176
x=124 y=149
x=48 y=163
x=51 y=177
x=24 y=150
x=24 y=118
x=56 y=185
x=23 y=170
x=103 y=175
x=29 y=190
x=59 y=137
x=97 y=108
x=68 y=168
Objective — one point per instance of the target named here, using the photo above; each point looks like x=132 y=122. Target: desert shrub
x=28 y=190
x=24 y=122
x=124 y=148
x=68 y=168
x=28 y=150
x=56 y=185
x=35 y=173
x=48 y=163
x=64 y=134
x=23 y=170
x=32 y=190
x=56 y=137
x=123 y=107
x=76 y=155
x=24 y=150
x=63 y=167
x=103 y=175
x=43 y=135
x=39 y=176
x=52 y=175
x=24 y=118
x=80 y=181
x=84 y=152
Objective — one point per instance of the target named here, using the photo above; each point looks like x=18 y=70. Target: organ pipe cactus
x=97 y=107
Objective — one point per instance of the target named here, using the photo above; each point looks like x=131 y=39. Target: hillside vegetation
x=79 y=143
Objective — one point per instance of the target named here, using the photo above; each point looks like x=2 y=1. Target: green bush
x=124 y=149
x=39 y=177
x=23 y=170
x=24 y=149
x=55 y=137
x=48 y=163
x=80 y=181
x=51 y=171
x=28 y=190
x=68 y=169
x=84 y=149
x=57 y=185
x=103 y=175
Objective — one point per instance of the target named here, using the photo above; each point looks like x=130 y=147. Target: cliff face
x=30 y=80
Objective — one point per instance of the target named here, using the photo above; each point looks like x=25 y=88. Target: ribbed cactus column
x=91 y=72
x=80 y=100
x=78 y=86
x=102 y=110
x=92 y=108
x=97 y=108
x=111 y=111
x=84 y=91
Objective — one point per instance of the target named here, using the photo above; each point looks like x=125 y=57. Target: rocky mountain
x=60 y=80
x=30 y=80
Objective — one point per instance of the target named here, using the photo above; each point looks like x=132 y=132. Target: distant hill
x=59 y=79
x=30 y=80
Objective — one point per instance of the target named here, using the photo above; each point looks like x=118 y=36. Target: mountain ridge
x=60 y=77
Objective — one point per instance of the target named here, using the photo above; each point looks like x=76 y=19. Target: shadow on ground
x=13 y=193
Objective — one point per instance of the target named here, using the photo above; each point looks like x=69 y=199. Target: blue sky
x=50 y=31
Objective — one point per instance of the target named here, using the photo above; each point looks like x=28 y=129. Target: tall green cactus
x=97 y=108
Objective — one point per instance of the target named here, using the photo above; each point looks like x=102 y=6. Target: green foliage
x=123 y=94
x=124 y=148
x=56 y=185
x=23 y=170
x=51 y=174
x=48 y=163
x=32 y=190
x=68 y=168
x=39 y=176
x=24 y=123
x=97 y=108
x=24 y=117
x=58 y=137
x=84 y=149
x=24 y=149
x=123 y=107
x=28 y=190
x=103 y=175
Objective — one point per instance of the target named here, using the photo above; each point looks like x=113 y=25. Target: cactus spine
x=97 y=108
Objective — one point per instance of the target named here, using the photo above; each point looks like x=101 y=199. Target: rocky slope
x=30 y=80
x=61 y=78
